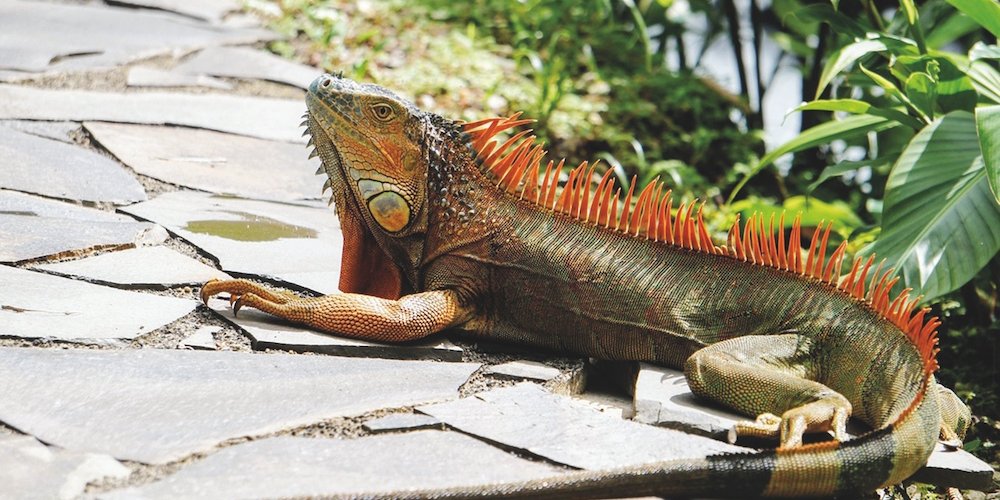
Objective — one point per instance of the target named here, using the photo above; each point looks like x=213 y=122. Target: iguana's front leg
x=764 y=375
x=348 y=314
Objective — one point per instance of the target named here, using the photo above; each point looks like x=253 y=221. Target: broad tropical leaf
x=985 y=12
x=940 y=222
x=988 y=128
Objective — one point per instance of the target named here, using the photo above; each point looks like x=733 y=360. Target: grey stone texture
x=96 y=36
x=207 y=10
x=213 y=161
x=530 y=370
x=662 y=397
x=956 y=468
x=401 y=421
x=268 y=332
x=262 y=117
x=245 y=62
x=157 y=406
x=285 y=467
x=39 y=306
x=201 y=339
x=142 y=267
x=30 y=470
x=34 y=228
x=297 y=243
x=141 y=76
x=58 y=170
x=55 y=130
x=567 y=431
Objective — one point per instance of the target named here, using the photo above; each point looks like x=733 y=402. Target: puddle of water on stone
x=250 y=227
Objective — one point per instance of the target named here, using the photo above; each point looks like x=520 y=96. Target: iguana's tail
x=882 y=457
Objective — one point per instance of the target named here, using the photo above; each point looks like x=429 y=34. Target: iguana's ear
x=365 y=267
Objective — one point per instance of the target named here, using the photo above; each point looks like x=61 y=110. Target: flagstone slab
x=33 y=228
x=142 y=267
x=213 y=161
x=55 y=169
x=268 y=332
x=202 y=339
x=957 y=469
x=97 y=36
x=401 y=421
x=662 y=397
x=57 y=130
x=293 y=467
x=531 y=370
x=283 y=241
x=31 y=470
x=40 y=306
x=157 y=406
x=567 y=431
x=249 y=63
x=206 y=10
x=141 y=76
x=262 y=117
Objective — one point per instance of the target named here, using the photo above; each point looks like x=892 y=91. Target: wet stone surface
x=171 y=403
x=299 y=244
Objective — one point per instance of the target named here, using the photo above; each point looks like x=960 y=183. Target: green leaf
x=857 y=107
x=844 y=167
x=922 y=91
x=985 y=12
x=840 y=23
x=988 y=129
x=954 y=87
x=985 y=80
x=812 y=211
x=980 y=50
x=891 y=89
x=841 y=58
x=815 y=136
x=951 y=29
x=940 y=222
x=910 y=10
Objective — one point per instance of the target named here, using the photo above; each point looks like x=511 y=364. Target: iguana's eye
x=382 y=111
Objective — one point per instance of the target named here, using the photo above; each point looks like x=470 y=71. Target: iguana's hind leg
x=348 y=314
x=767 y=376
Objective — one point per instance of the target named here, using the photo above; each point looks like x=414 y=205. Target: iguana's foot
x=827 y=415
x=240 y=287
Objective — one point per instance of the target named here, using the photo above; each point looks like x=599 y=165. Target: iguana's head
x=372 y=145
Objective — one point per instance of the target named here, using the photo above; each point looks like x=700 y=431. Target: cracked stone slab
x=31 y=470
x=213 y=161
x=201 y=339
x=568 y=431
x=34 y=228
x=268 y=332
x=206 y=10
x=37 y=305
x=57 y=130
x=261 y=117
x=142 y=267
x=956 y=468
x=248 y=63
x=530 y=370
x=662 y=397
x=296 y=243
x=141 y=76
x=341 y=467
x=58 y=170
x=157 y=406
x=96 y=36
x=401 y=421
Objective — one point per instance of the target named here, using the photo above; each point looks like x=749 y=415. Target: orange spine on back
x=652 y=217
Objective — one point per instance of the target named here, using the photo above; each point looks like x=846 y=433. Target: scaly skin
x=432 y=243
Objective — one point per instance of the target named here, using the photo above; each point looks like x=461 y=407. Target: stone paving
x=149 y=146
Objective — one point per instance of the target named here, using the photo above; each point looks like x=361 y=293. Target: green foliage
x=940 y=222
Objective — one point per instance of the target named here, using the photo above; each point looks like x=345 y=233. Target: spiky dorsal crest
x=515 y=164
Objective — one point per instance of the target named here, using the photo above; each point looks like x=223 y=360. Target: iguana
x=448 y=227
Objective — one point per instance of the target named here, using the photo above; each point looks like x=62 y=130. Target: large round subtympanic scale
x=389 y=210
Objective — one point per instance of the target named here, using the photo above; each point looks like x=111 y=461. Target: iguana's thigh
x=767 y=377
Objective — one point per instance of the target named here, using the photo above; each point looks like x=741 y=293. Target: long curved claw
x=207 y=290
x=766 y=426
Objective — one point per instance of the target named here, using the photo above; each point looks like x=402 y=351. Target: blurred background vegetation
x=892 y=132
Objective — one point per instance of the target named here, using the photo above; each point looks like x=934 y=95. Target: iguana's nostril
x=326 y=82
